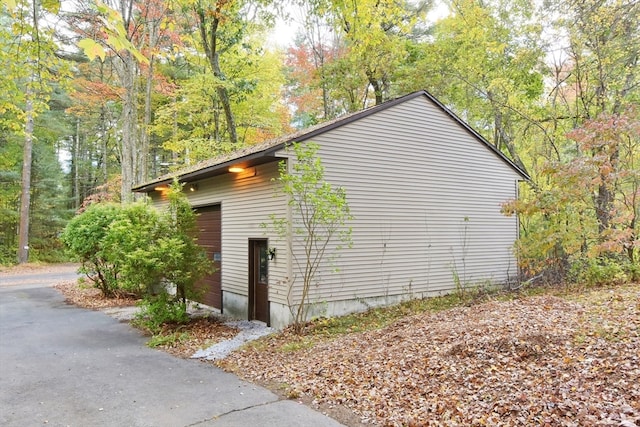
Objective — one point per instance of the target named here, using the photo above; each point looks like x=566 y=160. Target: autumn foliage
x=585 y=219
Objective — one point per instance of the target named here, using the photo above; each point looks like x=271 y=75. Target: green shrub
x=138 y=249
x=85 y=237
x=115 y=245
x=175 y=258
x=159 y=310
x=633 y=271
x=598 y=271
x=52 y=254
x=130 y=242
x=183 y=262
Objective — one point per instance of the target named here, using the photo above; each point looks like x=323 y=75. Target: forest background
x=96 y=97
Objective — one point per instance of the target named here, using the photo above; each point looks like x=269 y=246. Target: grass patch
x=604 y=307
x=327 y=328
x=296 y=345
x=168 y=340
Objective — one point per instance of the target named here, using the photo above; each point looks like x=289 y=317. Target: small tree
x=177 y=259
x=320 y=213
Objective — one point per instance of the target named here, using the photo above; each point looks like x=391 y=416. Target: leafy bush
x=580 y=218
x=177 y=259
x=598 y=271
x=85 y=237
x=159 y=310
x=633 y=271
x=183 y=262
x=136 y=248
x=130 y=242
x=53 y=253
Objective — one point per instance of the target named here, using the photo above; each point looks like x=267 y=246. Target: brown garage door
x=210 y=238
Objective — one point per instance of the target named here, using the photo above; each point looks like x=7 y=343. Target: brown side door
x=258 y=280
x=209 y=226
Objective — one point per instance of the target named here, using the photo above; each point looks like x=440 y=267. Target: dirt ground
x=33 y=268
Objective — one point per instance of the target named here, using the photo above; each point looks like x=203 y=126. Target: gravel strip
x=249 y=331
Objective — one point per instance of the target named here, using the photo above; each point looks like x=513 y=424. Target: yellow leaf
x=92 y=49
x=116 y=43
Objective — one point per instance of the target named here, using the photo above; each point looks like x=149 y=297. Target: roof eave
x=250 y=160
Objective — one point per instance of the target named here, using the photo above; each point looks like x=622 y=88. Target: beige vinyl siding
x=412 y=175
x=246 y=203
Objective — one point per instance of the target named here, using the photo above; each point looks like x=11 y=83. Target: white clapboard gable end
x=425 y=191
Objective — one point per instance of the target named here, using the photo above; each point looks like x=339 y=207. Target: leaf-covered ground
x=542 y=360
x=87 y=296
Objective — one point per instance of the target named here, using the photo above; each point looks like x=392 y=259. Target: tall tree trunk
x=153 y=34
x=104 y=157
x=174 y=136
x=76 y=166
x=603 y=202
x=377 y=87
x=605 y=196
x=127 y=69
x=502 y=138
x=209 y=38
x=223 y=94
x=143 y=171
x=104 y=145
x=25 y=198
x=314 y=35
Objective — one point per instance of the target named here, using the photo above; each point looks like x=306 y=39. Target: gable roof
x=264 y=152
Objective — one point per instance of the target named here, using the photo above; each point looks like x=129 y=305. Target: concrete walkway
x=65 y=366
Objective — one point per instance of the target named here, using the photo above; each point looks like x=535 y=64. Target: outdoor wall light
x=272 y=253
x=240 y=172
x=161 y=188
x=193 y=187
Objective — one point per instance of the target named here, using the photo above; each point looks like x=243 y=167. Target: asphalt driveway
x=65 y=366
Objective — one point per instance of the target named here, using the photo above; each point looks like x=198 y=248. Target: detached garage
x=423 y=187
